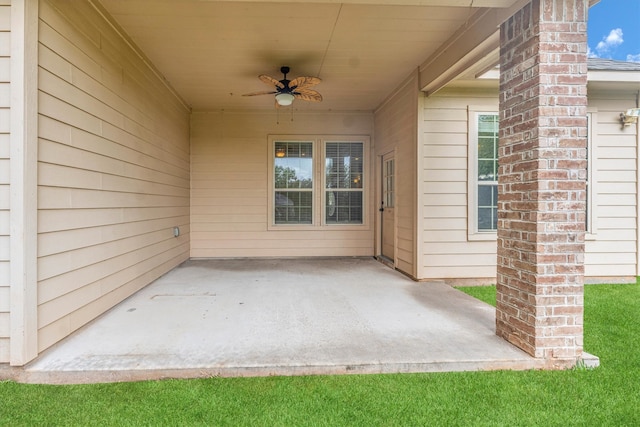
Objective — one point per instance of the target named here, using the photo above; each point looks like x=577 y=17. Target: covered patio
x=282 y=317
x=133 y=151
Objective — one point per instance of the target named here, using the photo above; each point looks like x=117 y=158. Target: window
x=317 y=182
x=483 y=174
x=487 y=172
x=590 y=220
x=343 y=183
x=293 y=182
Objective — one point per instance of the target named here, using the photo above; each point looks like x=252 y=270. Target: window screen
x=293 y=178
x=344 y=202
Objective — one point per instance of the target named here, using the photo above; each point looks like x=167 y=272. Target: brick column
x=541 y=184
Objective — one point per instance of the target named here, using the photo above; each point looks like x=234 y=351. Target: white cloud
x=613 y=40
x=633 y=58
x=615 y=37
x=591 y=53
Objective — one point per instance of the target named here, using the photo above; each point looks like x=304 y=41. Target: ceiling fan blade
x=266 y=92
x=307 y=95
x=270 y=81
x=304 y=82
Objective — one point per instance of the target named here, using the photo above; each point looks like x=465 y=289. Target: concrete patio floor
x=281 y=317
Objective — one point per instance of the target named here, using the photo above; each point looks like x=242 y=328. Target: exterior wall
x=447 y=252
x=396 y=130
x=612 y=249
x=5 y=17
x=230 y=194
x=113 y=170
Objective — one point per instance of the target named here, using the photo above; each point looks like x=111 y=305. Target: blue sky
x=613 y=30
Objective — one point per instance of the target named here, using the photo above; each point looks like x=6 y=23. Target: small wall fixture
x=176 y=231
x=630 y=117
x=284 y=99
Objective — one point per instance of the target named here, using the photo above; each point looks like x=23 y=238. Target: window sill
x=483 y=237
x=323 y=227
x=489 y=236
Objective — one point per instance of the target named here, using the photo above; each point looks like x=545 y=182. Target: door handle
x=381 y=209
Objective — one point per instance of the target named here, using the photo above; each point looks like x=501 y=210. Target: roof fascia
x=476 y=44
x=473 y=42
x=444 y=3
x=613 y=76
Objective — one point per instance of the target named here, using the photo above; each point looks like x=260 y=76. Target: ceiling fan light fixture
x=286 y=90
x=284 y=99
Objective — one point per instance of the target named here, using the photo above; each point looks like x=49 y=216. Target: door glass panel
x=389 y=183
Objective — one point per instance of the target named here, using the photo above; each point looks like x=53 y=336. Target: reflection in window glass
x=388 y=183
x=293 y=171
x=487 y=207
x=487 y=187
x=344 y=164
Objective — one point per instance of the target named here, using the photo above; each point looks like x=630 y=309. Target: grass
x=483 y=293
x=607 y=396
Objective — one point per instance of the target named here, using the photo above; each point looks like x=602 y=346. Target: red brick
x=541 y=179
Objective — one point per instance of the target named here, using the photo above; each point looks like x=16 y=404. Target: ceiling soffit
x=211 y=52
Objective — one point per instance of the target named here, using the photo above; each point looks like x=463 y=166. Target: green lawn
x=609 y=395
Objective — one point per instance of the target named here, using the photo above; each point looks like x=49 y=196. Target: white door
x=387 y=205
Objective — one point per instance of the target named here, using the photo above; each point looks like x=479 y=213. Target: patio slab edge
x=109 y=376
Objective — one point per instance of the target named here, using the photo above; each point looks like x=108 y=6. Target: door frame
x=379 y=187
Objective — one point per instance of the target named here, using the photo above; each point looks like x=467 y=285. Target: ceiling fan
x=287 y=90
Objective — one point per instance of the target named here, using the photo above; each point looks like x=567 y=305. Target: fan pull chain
x=278 y=115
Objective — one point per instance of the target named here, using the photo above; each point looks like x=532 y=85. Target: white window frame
x=314 y=187
x=591 y=228
x=472 y=182
x=318 y=221
x=472 y=196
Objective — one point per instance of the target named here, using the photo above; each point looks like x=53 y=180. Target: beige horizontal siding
x=117 y=288
x=113 y=173
x=4 y=350
x=396 y=128
x=229 y=186
x=446 y=251
x=4 y=321
x=129 y=265
x=613 y=250
x=5 y=167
